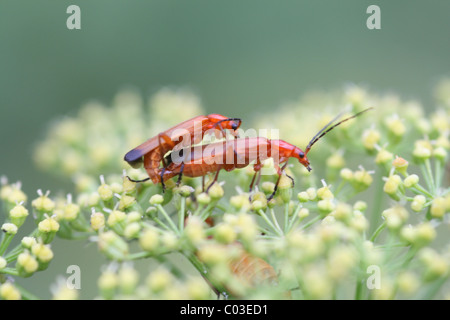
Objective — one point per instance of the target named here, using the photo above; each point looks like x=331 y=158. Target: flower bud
x=326 y=206
x=43 y=203
x=194 y=230
x=361 y=180
x=440 y=153
x=392 y=185
x=346 y=174
x=383 y=156
x=216 y=191
x=26 y=264
x=149 y=239
x=395 y=216
x=240 y=202
x=105 y=192
x=400 y=165
x=396 y=128
x=436 y=266
x=285 y=188
x=418 y=203
x=203 y=198
x=303 y=196
x=303 y=213
x=267 y=187
x=336 y=161
x=107 y=283
x=224 y=233
x=18 y=215
x=128 y=186
x=28 y=242
x=159 y=279
x=360 y=205
x=48 y=228
x=3 y=263
x=359 y=222
x=116 y=217
x=259 y=201
x=170 y=241
x=411 y=180
x=43 y=253
x=213 y=254
x=71 y=211
x=312 y=193
x=324 y=193
x=370 y=138
x=425 y=233
x=185 y=191
x=132 y=230
x=12 y=194
x=422 y=150
x=198 y=289
x=97 y=220
x=343 y=212
x=9 y=292
x=126 y=202
x=438 y=207
x=408 y=282
x=128 y=279
x=248 y=228
x=156 y=199
x=9 y=228
x=113 y=246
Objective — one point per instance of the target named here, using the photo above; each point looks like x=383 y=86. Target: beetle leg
x=257 y=169
x=143 y=180
x=162 y=179
x=280 y=172
x=215 y=179
x=181 y=174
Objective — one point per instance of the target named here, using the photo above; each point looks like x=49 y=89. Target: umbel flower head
x=373 y=198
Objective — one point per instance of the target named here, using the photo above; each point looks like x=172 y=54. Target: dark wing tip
x=134 y=157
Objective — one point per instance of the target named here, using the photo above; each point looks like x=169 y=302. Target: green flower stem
x=427 y=173
x=207 y=211
x=431 y=292
x=377 y=231
x=169 y=220
x=271 y=225
x=377 y=204
x=438 y=167
x=275 y=221
x=359 y=290
x=13 y=254
x=198 y=210
x=10 y=271
x=173 y=268
x=421 y=190
x=294 y=219
x=139 y=255
x=217 y=287
x=286 y=218
x=311 y=222
x=7 y=238
x=26 y=295
x=162 y=224
x=221 y=207
x=409 y=256
x=181 y=214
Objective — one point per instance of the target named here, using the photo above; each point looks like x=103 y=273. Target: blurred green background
x=240 y=57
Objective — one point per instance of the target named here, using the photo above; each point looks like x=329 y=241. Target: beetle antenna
x=325 y=129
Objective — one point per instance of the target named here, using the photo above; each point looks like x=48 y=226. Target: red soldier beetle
x=201 y=160
x=152 y=151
